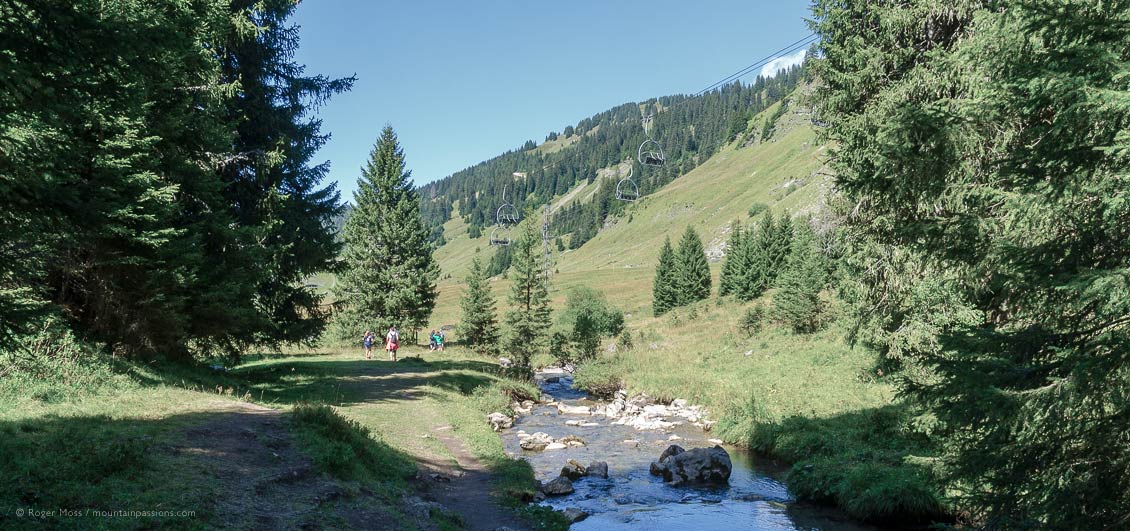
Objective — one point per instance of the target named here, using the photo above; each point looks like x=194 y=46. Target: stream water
x=631 y=498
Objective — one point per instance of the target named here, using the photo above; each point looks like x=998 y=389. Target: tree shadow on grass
x=870 y=463
x=240 y=466
x=350 y=382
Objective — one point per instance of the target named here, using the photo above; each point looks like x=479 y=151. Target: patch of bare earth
x=260 y=480
x=465 y=487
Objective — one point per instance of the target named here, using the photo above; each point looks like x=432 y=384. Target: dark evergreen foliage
x=728 y=281
x=755 y=256
x=796 y=301
x=664 y=291
x=528 y=319
x=388 y=275
x=270 y=180
x=500 y=261
x=692 y=269
x=478 y=329
x=983 y=150
x=146 y=192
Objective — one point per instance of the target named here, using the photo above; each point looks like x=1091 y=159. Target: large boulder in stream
x=699 y=466
x=558 y=487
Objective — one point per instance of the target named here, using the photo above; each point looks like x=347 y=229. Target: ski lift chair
x=507 y=214
x=500 y=236
x=626 y=189
x=651 y=154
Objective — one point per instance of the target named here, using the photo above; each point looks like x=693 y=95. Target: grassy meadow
x=87 y=434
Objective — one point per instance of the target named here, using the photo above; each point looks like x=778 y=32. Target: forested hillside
x=689 y=128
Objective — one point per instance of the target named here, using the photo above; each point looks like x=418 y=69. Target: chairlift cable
x=793 y=47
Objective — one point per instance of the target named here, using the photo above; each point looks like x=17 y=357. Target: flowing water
x=631 y=498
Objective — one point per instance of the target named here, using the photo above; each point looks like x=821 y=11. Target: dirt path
x=466 y=488
x=259 y=479
x=453 y=478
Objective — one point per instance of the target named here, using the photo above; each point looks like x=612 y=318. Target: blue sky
x=462 y=81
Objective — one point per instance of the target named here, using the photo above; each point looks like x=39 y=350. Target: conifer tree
x=156 y=174
x=728 y=281
x=778 y=247
x=989 y=156
x=274 y=186
x=796 y=303
x=389 y=275
x=478 y=329
x=753 y=261
x=528 y=319
x=664 y=292
x=692 y=269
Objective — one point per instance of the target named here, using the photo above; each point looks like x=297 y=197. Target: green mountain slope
x=812 y=400
x=782 y=173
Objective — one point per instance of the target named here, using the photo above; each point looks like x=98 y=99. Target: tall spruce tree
x=272 y=183
x=111 y=207
x=777 y=244
x=796 y=302
x=728 y=281
x=664 y=291
x=388 y=276
x=987 y=145
x=528 y=319
x=753 y=260
x=478 y=329
x=692 y=269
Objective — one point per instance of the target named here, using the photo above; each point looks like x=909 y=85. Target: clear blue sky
x=462 y=81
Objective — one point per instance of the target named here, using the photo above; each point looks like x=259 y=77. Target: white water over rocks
x=621 y=439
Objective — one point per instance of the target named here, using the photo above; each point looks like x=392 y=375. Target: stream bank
x=629 y=433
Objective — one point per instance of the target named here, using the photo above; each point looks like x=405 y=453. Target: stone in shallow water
x=573 y=470
x=573 y=515
x=671 y=451
x=536 y=442
x=597 y=469
x=697 y=466
x=558 y=487
x=573 y=410
x=571 y=440
x=499 y=421
x=555 y=446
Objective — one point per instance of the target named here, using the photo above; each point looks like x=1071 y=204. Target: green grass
x=81 y=431
x=348 y=450
x=402 y=402
x=620 y=259
x=810 y=400
x=78 y=429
